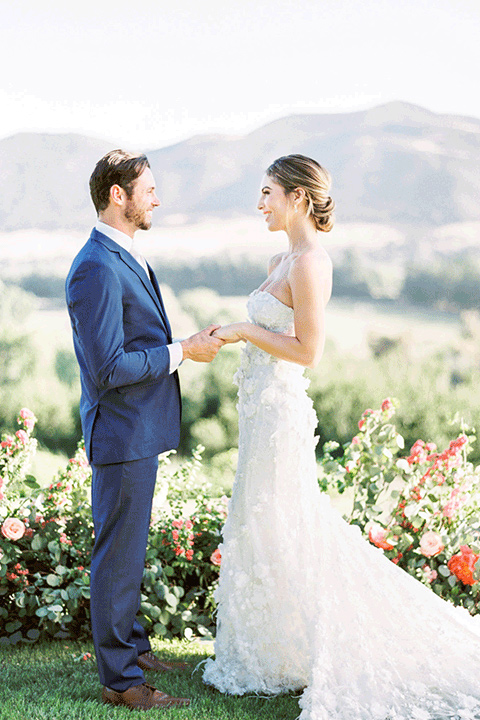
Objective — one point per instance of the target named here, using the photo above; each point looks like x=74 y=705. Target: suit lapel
x=150 y=286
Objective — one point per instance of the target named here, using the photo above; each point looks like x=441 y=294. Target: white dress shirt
x=127 y=243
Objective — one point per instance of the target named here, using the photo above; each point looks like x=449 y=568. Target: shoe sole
x=166 y=705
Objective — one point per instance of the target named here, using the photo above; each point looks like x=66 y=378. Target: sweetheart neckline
x=265 y=292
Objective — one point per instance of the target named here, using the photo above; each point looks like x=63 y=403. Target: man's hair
x=117 y=167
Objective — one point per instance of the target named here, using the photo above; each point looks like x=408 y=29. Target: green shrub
x=47 y=536
x=423 y=510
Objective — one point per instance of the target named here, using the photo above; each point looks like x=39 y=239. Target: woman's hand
x=230 y=333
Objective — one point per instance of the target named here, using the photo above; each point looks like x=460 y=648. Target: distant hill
x=44 y=181
x=396 y=164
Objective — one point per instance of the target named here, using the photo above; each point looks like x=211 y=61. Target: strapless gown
x=305 y=603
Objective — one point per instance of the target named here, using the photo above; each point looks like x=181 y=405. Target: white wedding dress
x=303 y=600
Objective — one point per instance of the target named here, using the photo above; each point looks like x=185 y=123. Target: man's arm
x=94 y=299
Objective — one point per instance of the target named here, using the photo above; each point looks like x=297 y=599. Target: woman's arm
x=310 y=283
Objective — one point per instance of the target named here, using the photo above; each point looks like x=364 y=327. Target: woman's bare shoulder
x=316 y=262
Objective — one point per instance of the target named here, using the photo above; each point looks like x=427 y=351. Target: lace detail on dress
x=303 y=600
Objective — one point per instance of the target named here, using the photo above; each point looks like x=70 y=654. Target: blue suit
x=130 y=412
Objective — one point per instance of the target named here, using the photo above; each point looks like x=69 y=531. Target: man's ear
x=117 y=194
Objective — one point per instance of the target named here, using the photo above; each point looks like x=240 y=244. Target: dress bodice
x=266 y=310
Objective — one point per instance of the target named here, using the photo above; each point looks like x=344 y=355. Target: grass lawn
x=50 y=681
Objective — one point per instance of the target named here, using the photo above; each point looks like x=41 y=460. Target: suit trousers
x=122 y=495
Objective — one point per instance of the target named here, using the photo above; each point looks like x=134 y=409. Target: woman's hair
x=298 y=171
x=117 y=167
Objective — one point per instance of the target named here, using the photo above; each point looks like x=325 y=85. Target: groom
x=130 y=412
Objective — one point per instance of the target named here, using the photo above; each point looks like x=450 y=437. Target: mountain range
x=396 y=164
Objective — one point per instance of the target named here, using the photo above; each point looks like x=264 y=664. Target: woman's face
x=274 y=204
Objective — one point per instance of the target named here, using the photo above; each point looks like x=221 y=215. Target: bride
x=304 y=602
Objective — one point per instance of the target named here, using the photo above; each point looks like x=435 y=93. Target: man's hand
x=232 y=333
x=202 y=347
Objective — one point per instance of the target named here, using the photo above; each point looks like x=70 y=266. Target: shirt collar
x=125 y=241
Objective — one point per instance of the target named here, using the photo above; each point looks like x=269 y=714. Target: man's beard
x=138 y=217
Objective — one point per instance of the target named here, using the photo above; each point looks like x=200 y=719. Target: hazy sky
x=149 y=73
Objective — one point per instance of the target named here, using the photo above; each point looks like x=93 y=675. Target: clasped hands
x=230 y=333
x=204 y=345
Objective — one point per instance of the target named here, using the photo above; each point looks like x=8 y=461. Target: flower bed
x=422 y=509
x=46 y=537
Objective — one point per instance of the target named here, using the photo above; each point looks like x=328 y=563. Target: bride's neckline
x=265 y=292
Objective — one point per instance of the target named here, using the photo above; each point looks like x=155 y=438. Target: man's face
x=139 y=207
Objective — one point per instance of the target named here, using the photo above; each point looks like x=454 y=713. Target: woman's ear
x=298 y=197
x=299 y=194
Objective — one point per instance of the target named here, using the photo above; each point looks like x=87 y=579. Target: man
x=130 y=412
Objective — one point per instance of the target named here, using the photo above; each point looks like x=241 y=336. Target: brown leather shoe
x=142 y=697
x=149 y=661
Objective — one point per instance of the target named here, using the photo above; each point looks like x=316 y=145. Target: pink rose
x=28 y=418
x=387 y=405
x=355 y=440
x=22 y=436
x=430 y=574
x=13 y=529
x=377 y=535
x=455 y=503
x=216 y=557
x=431 y=544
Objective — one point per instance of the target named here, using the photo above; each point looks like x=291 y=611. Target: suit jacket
x=130 y=403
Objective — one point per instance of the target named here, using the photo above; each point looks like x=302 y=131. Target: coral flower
x=376 y=535
x=387 y=404
x=462 y=565
x=216 y=557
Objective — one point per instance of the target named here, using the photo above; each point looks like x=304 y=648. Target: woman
x=304 y=602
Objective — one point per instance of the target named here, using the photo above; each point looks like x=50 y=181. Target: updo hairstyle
x=298 y=171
